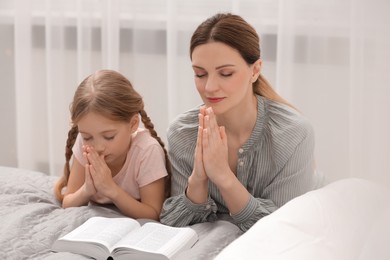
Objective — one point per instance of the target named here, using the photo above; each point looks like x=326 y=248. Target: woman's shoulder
x=182 y=132
x=185 y=123
x=285 y=120
x=287 y=128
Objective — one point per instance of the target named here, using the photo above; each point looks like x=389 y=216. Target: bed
x=344 y=220
x=31 y=220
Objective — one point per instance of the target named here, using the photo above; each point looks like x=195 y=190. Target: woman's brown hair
x=235 y=32
x=110 y=94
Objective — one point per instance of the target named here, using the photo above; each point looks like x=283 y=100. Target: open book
x=125 y=238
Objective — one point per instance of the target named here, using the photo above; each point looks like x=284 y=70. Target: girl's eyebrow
x=103 y=132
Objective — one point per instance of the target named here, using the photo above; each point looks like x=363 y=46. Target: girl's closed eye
x=108 y=138
x=87 y=138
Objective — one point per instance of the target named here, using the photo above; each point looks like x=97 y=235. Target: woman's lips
x=215 y=99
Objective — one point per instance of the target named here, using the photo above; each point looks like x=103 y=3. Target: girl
x=114 y=161
x=253 y=151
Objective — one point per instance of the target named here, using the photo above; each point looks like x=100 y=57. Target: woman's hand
x=216 y=164
x=214 y=149
x=197 y=189
x=199 y=172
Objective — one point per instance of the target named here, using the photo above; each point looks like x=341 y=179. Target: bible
x=126 y=238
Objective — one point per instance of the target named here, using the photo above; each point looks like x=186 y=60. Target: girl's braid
x=63 y=181
x=149 y=125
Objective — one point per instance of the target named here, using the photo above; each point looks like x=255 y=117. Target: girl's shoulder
x=142 y=139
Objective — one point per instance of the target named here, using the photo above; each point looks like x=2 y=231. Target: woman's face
x=109 y=138
x=222 y=77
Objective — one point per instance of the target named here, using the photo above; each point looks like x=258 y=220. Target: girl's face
x=109 y=138
x=222 y=77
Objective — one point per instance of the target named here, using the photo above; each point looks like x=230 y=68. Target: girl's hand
x=89 y=187
x=100 y=173
x=215 y=149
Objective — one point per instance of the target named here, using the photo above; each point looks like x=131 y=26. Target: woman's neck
x=240 y=121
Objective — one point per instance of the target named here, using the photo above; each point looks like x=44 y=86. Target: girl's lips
x=214 y=100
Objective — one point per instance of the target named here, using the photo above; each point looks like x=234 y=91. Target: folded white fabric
x=341 y=221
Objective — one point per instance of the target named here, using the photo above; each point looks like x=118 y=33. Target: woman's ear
x=134 y=123
x=256 y=69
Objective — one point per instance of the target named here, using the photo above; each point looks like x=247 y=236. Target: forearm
x=234 y=193
x=245 y=209
x=76 y=199
x=132 y=207
x=255 y=209
x=180 y=211
x=197 y=190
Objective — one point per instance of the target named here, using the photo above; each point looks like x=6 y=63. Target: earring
x=254 y=78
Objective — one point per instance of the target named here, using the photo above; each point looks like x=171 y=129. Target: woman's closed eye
x=226 y=74
x=200 y=75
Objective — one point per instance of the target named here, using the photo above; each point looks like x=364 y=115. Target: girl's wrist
x=85 y=193
x=113 y=192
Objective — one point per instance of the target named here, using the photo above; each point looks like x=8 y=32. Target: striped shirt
x=275 y=165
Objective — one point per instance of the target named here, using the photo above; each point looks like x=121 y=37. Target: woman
x=246 y=151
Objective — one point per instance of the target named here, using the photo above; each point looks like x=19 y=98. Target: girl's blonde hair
x=110 y=94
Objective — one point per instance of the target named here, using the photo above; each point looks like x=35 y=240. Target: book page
x=106 y=231
x=159 y=238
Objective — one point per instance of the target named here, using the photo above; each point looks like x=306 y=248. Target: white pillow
x=331 y=223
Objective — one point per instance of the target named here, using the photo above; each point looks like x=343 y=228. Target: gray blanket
x=31 y=220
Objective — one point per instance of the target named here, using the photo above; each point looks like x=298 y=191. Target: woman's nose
x=211 y=84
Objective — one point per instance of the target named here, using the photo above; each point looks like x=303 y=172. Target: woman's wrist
x=197 y=190
x=226 y=182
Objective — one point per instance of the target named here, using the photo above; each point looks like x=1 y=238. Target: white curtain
x=330 y=58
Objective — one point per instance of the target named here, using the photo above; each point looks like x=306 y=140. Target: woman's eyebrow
x=197 y=67
x=217 y=68
x=224 y=66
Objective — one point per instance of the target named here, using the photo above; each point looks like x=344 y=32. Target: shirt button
x=241 y=163
x=207 y=206
x=240 y=150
